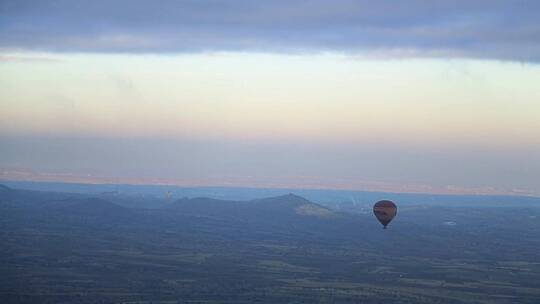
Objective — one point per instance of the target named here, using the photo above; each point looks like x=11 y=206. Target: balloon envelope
x=385 y=211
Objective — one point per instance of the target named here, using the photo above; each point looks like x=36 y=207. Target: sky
x=409 y=96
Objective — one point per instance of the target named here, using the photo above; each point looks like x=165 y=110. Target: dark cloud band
x=507 y=30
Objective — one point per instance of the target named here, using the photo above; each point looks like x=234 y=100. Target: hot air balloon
x=385 y=211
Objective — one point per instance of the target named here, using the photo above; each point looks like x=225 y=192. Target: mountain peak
x=288 y=199
x=294 y=196
x=4 y=188
x=295 y=203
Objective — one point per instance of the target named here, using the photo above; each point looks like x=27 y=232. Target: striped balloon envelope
x=385 y=211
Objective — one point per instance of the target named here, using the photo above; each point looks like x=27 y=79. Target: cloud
x=492 y=29
x=29 y=59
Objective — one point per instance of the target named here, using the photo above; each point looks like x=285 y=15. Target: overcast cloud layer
x=490 y=29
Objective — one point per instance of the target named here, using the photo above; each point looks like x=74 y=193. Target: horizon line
x=383 y=187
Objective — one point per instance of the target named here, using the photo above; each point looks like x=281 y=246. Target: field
x=65 y=247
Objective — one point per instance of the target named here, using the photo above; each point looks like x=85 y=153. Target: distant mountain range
x=154 y=196
x=279 y=205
